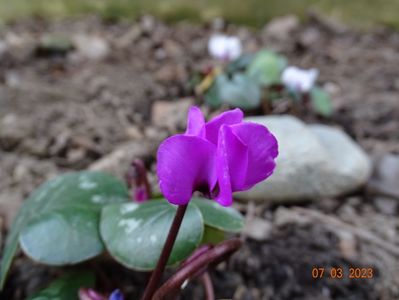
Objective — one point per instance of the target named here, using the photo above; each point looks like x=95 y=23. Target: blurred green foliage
x=362 y=13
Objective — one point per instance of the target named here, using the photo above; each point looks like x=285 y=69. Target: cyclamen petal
x=299 y=80
x=224 y=47
x=262 y=150
x=230 y=117
x=195 y=122
x=231 y=165
x=185 y=164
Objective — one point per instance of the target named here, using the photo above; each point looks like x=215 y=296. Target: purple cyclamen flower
x=217 y=158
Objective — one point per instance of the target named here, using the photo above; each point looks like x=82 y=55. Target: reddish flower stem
x=197 y=264
x=208 y=286
x=167 y=249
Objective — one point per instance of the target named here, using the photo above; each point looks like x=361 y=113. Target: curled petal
x=196 y=122
x=231 y=165
x=185 y=164
x=262 y=150
x=229 y=118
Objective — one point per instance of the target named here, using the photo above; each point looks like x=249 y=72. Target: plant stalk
x=208 y=286
x=197 y=264
x=167 y=249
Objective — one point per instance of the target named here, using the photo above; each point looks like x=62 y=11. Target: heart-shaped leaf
x=321 y=101
x=66 y=288
x=219 y=217
x=59 y=221
x=134 y=234
x=266 y=67
x=237 y=91
x=62 y=237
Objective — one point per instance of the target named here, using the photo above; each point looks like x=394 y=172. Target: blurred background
x=252 y=12
x=90 y=84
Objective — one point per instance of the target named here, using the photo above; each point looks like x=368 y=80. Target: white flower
x=224 y=47
x=299 y=80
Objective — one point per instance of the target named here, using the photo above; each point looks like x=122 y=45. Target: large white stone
x=314 y=161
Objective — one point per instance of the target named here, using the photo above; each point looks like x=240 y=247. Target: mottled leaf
x=59 y=221
x=237 y=91
x=135 y=234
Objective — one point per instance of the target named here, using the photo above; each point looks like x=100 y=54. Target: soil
x=61 y=110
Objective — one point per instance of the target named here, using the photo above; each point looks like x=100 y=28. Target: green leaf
x=10 y=248
x=266 y=67
x=67 y=287
x=212 y=97
x=321 y=101
x=213 y=236
x=55 y=44
x=59 y=221
x=217 y=216
x=240 y=64
x=237 y=91
x=134 y=234
x=62 y=237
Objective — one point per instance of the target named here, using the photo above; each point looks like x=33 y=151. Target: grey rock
x=314 y=161
x=385 y=178
x=385 y=205
x=118 y=161
x=310 y=36
x=13 y=130
x=282 y=27
x=148 y=24
x=258 y=229
x=10 y=202
x=171 y=114
x=286 y=216
x=347 y=244
x=91 y=47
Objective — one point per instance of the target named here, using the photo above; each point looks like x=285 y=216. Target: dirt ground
x=63 y=110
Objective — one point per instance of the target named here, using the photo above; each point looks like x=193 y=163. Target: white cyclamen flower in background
x=299 y=80
x=224 y=47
